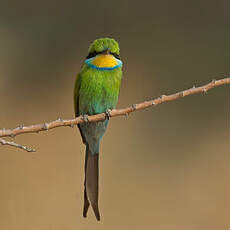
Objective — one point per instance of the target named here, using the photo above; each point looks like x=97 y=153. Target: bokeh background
x=162 y=168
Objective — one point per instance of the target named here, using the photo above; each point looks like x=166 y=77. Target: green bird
x=96 y=91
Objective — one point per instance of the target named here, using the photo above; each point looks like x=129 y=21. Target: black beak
x=107 y=51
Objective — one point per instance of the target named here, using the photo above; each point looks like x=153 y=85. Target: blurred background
x=163 y=168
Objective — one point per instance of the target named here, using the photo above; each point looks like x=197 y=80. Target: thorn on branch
x=45 y=126
x=204 y=90
x=134 y=107
x=162 y=97
x=26 y=148
x=181 y=94
x=11 y=143
x=60 y=119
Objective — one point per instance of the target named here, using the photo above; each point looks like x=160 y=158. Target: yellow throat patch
x=104 y=60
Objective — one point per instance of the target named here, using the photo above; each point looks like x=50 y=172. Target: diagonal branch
x=115 y=112
x=11 y=143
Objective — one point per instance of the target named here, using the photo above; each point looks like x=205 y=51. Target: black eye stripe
x=90 y=55
x=93 y=54
x=116 y=55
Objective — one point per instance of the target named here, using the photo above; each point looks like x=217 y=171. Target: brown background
x=163 y=168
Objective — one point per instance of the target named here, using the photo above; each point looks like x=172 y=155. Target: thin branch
x=11 y=143
x=114 y=113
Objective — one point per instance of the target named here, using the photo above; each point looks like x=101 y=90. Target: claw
x=108 y=113
x=85 y=118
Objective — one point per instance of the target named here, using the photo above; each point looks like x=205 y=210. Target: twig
x=11 y=143
x=114 y=113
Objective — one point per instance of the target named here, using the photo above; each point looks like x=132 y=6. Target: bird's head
x=104 y=54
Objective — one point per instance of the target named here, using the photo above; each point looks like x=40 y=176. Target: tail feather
x=86 y=201
x=91 y=183
x=86 y=204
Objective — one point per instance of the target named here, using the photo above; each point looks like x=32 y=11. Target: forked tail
x=91 y=183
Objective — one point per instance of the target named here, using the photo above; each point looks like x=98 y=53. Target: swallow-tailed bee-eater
x=96 y=91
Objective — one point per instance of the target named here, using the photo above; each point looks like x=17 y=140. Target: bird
x=97 y=88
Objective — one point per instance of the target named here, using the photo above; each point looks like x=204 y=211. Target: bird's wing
x=76 y=101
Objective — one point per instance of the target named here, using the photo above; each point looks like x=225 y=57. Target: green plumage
x=95 y=92
x=101 y=44
x=98 y=90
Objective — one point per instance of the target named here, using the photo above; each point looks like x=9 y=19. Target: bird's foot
x=85 y=118
x=108 y=113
